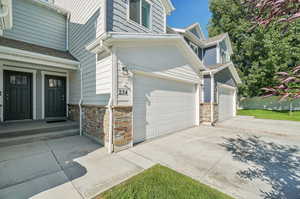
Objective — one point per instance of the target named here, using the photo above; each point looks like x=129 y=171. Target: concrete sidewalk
x=71 y=167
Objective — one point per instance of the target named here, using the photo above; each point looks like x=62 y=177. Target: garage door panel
x=226 y=103
x=165 y=105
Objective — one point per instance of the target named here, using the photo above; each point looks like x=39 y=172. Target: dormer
x=217 y=50
x=6 y=21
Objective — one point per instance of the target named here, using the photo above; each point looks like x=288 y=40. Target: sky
x=188 y=12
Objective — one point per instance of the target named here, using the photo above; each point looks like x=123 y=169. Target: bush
x=270 y=103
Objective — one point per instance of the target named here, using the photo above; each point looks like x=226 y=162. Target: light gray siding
x=37 y=25
x=117 y=15
x=223 y=77
x=86 y=24
x=210 y=56
x=207 y=88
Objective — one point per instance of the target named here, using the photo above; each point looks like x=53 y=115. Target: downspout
x=80 y=102
x=110 y=133
x=105 y=16
x=212 y=97
x=67 y=32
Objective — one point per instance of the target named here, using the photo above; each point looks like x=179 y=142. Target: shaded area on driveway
x=275 y=164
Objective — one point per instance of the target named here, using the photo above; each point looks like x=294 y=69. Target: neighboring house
x=220 y=79
x=112 y=65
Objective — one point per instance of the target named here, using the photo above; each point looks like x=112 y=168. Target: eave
x=13 y=54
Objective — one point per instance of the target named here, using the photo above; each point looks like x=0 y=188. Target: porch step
x=37 y=137
x=14 y=130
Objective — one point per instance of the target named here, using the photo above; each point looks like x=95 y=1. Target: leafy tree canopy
x=259 y=53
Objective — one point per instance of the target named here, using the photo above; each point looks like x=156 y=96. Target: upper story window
x=224 y=54
x=194 y=47
x=140 y=12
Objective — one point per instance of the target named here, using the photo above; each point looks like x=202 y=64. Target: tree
x=259 y=53
x=265 y=12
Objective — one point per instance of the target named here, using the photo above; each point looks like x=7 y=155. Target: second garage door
x=161 y=106
x=226 y=102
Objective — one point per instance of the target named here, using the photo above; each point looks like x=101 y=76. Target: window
x=194 y=47
x=18 y=80
x=140 y=12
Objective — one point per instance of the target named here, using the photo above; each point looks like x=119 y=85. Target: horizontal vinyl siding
x=37 y=25
x=225 y=77
x=207 y=88
x=117 y=18
x=86 y=24
x=161 y=60
x=104 y=75
x=210 y=56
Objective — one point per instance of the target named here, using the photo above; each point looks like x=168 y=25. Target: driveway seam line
x=214 y=165
x=62 y=169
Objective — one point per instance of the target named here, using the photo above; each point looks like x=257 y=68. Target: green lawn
x=274 y=115
x=160 y=182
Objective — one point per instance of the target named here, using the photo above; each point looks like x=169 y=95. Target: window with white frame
x=140 y=12
x=194 y=47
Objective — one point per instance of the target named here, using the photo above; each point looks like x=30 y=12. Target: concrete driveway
x=259 y=163
x=243 y=163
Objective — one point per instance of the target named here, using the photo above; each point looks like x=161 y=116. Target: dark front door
x=55 y=96
x=17 y=95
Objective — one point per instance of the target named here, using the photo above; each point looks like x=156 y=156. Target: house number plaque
x=123 y=91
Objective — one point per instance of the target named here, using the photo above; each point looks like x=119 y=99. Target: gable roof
x=197 y=28
x=168 y=6
x=103 y=43
x=215 y=40
x=219 y=67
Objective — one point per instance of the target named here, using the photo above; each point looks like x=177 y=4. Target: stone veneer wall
x=95 y=123
x=122 y=128
x=205 y=112
x=73 y=112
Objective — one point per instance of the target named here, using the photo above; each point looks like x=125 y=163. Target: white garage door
x=161 y=107
x=226 y=102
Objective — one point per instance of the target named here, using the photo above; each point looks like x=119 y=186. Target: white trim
x=161 y=76
x=32 y=66
x=226 y=86
x=232 y=69
x=1 y=94
x=140 y=25
x=197 y=101
x=212 y=97
x=218 y=53
x=43 y=89
x=202 y=89
x=51 y=6
x=12 y=68
x=36 y=58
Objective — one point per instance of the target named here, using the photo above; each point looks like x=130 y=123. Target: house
x=112 y=65
x=220 y=79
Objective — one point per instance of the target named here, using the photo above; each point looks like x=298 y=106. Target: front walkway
x=70 y=167
x=240 y=163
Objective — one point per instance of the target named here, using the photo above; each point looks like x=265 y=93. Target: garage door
x=161 y=107
x=226 y=102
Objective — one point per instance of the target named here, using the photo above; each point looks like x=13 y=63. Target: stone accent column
x=122 y=128
x=205 y=113
x=95 y=123
x=73 y=112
